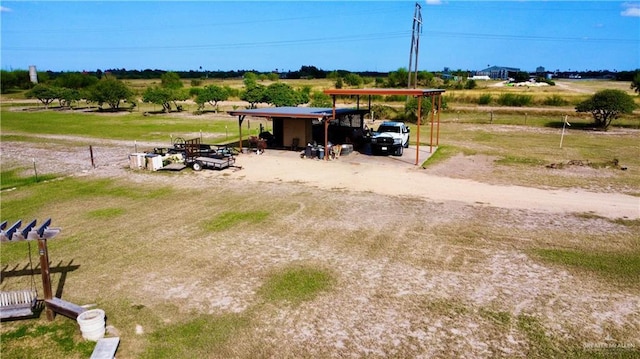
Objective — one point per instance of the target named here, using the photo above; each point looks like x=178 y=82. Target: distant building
x=499 y=72
x=540 y=70
x=480 y=77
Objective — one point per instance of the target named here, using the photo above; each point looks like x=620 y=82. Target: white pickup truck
x=391 y=137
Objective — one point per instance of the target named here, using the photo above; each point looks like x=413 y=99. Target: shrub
x=509 y=99
x=470 y=84
x=555 y=100
x=395 y=98
x=485 y=99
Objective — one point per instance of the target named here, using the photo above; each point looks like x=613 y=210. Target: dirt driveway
x=386 y=175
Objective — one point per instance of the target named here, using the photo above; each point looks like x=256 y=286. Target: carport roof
x=385 y=91
x=294 y=112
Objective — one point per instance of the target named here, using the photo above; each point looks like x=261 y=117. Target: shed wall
x=296 y=128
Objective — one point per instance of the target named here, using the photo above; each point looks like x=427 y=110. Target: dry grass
x=415 y=279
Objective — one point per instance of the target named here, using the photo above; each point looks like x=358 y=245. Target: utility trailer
x=199 y=156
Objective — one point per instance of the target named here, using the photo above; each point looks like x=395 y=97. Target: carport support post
x=433 y=108
x=418 y=128
x=326 y=128
x=439 y=107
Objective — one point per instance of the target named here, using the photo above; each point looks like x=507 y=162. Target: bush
x=509 y=99
x=485 y=99
x=470 y=84
x=555 y=100
x=395 y=98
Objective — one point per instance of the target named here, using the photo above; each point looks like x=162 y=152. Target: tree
x=44 y=93
x=211 y=94
x=398 y=78
x=280 y=94
x=520 y=76
x=170 y=90
x=15 y=79
x=164 y=97
x=8 y=80
x=75 y=80
x=635 y=83
x=607 y=105
x=254 y=95
x=320 y=99
x=250 y=79
x=426 y=78
x=352 y=79
x=111 y=91
x=411 y=108
x=67 y=95
x=171 y=80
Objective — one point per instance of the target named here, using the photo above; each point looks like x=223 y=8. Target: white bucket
x=92 y=324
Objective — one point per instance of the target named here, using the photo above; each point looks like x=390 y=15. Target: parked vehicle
x=390 y=138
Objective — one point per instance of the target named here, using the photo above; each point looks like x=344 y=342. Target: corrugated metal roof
x=381 y=91
x=294 y=112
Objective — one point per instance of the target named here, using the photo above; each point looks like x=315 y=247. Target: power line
x=314 y=41
x=468 y=35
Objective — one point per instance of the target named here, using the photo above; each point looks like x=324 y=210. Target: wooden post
x=91 y=152
x=46 y=275
x=35 y=170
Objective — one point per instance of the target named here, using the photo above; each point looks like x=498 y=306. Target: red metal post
x=439 y=107
x=418 y=129
x=433 y=103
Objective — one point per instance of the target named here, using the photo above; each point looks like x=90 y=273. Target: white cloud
x=632 y=9
x=4 y=9
x=433 y=2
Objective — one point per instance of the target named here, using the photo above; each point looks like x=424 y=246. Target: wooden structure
x=105 y=348
x=418 y=93
x=19 y=304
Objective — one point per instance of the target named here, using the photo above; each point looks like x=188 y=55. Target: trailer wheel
x=197 y=166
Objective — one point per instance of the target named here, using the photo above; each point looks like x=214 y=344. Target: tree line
x=108 y=90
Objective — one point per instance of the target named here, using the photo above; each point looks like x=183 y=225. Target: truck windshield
x=389 y=129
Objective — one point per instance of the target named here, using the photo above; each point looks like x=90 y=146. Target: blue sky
x=349 y=35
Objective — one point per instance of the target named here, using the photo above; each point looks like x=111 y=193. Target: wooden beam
x=63 y=307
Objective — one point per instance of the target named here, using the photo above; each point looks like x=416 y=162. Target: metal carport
x=419 y=93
